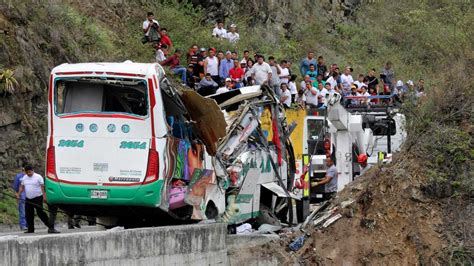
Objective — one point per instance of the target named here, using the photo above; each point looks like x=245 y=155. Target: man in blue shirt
x=225 y=65
x=305 y=63
x=21 y=203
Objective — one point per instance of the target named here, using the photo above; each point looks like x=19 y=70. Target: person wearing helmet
x=362 y=160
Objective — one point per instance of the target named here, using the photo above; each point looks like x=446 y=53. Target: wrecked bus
x=124 y=145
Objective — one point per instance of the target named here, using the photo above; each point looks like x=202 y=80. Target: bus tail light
x=51 y=164
x=153 y=167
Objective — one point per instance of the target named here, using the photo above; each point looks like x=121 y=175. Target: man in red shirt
x=175 y=67
x=237 y=74
x=165 y=39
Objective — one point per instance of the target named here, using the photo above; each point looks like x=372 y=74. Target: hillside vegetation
x=424 y=39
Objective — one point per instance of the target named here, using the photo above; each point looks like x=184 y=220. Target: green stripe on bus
x=244 y=198
x=143 y=195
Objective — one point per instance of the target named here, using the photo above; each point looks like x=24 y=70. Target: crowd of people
x=210 y=71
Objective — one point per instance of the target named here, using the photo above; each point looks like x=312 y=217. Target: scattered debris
x=331 y=220
x=268 y=228
x=244 y=229
x=115 y=229
x=297 y=243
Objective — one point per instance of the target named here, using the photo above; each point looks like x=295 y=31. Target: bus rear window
x=101 y=96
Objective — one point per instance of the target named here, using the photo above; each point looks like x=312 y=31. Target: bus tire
x=267 y=216
x=211 y=210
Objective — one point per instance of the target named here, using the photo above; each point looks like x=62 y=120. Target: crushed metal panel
x=210 y=123
x=279 y=191
x=239 y=98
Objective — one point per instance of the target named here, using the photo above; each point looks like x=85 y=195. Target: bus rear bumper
x=148 y=195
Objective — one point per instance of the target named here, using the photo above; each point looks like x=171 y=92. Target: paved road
x=44 y=231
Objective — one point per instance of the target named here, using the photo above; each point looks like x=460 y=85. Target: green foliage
x=7 y=79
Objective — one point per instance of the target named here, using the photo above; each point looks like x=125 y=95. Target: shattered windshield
x=101 y=96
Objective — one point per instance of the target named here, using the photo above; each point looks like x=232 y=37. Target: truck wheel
x=267 y=216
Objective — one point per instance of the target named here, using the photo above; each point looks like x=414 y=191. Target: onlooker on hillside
x=246 y=57
x=225 y=65
x=321 y=67
x=192 y=55
x=420 y=89
x=161 y=52
x=220 y=55
x=346 y=80
x=207 y=85
x=373 y=92
x=211 y=65
x=248 y=81
x=275 y=81
x=235 y=55
x=33 y=186
x=311 y=94
x=237 y=74
x=175 y=67
x=332 y=80
x=261 y=71
x=227 y=86
x=306 y=62
x=306 y=79
x=219 y=31
x=389 y=74
x=165 y=39
x=232 y=35
x=191 y=79
x=312 y=72
x=360 y=81
x=319 y=80
x=21 y=203
x=285 y=95
x=292 y=87
x=199 y=68
x=284 y=72
x=372 y=80
x=301 y=99
x=151 y=28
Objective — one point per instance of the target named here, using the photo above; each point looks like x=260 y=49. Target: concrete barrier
x=172 y=245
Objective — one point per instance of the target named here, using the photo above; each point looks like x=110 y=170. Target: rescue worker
x=329 y=181
x=362 y=160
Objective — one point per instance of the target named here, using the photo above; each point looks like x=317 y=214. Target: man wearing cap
x=199 y=68
x=227 y=87
x=232 y=35
x=362 y=160
x=225 y=65
x=261 y=71
x=219 y=30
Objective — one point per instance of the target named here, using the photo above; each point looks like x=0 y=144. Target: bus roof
x=127 y=68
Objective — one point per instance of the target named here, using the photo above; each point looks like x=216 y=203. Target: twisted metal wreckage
x=254 y=166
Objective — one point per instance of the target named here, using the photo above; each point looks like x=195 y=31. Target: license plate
x=99 y=194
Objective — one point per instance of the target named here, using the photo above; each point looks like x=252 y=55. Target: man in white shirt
x=148 y=23
x=306 y=79
x=311 y=94
x=232 y=35
x=347 y=80
x=161 y=52
x=219 y=30
x=285 y=97
x=261 y=71
x=284 y=72
x=33 y=186
x=226 y=88
x=360 y=81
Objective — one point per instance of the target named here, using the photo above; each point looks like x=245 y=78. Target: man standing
x=237 y=74
x=347 y=80
x=211 y=65
x=21 y=204
x=261 y=71
x=33 y=186
x=148 y=24
x=219 y=30
x=330 y=180
x=226 y=64
x=389 y=74
x=232 y=35
x=321 y=67
x=275 y=75
x=305 y=63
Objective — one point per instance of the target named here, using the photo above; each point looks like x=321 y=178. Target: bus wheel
x=211 y=210
x=106 y=222
x=267 y=216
